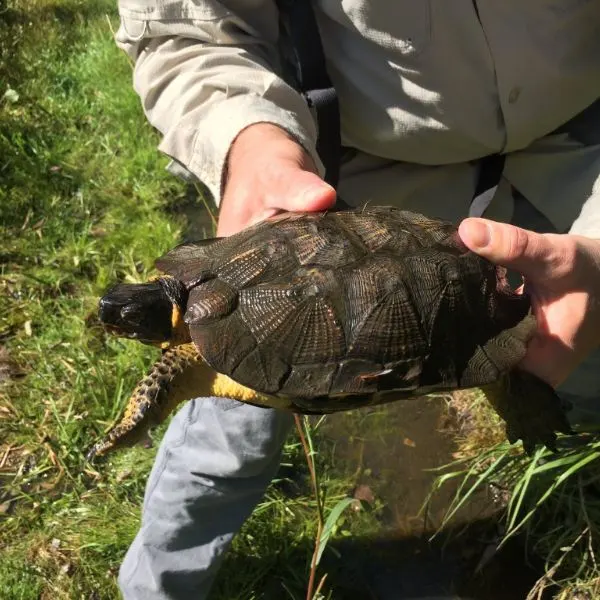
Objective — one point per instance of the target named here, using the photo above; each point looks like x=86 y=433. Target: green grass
x=80 y=206
x=551 y=499
x=85 y=200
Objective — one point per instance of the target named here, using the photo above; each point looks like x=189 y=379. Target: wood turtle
x=322 y=312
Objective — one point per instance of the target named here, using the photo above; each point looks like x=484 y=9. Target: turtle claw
x=117 y=437
x=97 y=453
x=90 y=456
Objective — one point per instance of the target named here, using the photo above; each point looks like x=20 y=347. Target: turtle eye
x=133 y=314
x=145 y=325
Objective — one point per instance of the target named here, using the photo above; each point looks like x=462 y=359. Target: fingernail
x=310 y=193
x=478 y=233
x=317 y=197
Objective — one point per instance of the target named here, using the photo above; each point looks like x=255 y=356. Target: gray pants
x=218 y=456
x=212 y=468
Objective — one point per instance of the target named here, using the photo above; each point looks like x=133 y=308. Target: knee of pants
x=225 y=438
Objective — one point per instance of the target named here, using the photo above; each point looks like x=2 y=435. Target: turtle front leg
x=532 y=410
x=155 y=398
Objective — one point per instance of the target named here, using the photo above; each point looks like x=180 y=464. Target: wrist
x=260 y=132
x=263 y=142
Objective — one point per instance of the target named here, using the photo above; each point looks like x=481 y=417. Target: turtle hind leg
x=151 y=402
x=532 y=410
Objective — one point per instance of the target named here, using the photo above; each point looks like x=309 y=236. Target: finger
x=293 y=190
x=299 y=191
x=549 y=358
x=534 y=255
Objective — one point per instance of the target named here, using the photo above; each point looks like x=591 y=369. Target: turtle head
x=150 y=312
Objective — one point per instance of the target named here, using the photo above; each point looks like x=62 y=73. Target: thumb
x=531 y=254
x=303 y=191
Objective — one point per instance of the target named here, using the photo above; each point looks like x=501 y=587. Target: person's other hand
x=562 y=275
x=268 y=173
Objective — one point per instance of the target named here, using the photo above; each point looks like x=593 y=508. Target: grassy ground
x=85 y=200
x=552 y=500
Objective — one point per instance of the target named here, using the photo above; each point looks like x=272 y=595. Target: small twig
x=5 y=457
x=315 y=485
x=110 y=26
x=311 y=466
x=542 y=583
x=587 y=520
x=313 y=564
x=208 y=209
x=321 y=584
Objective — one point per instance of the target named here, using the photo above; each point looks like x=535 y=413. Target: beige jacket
x=423 y=81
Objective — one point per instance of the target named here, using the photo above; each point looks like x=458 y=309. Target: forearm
x=203 y=80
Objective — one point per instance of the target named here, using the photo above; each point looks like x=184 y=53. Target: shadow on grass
x=393 y=568
x=31 y=21
x=36 y=41
x=66 y=12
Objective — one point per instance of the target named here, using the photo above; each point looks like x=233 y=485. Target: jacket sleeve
x=588 y=222
x=204 y=72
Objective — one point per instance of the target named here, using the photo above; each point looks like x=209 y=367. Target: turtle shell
x=336 y=307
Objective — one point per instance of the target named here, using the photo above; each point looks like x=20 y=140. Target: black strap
x=488 y=177
x=490 y=172
x=298 y=20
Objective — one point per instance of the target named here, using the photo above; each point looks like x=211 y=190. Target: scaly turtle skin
x=317 y=313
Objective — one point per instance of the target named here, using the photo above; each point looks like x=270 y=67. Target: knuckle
x=564 y=254
x=556 y=255
x=518 y=242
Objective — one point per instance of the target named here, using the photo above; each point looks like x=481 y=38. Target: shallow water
x=392 y=450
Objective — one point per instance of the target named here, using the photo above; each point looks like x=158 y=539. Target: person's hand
x=267 y=173
x=562 y=275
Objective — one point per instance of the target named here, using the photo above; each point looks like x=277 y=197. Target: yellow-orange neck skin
x=180 y=332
